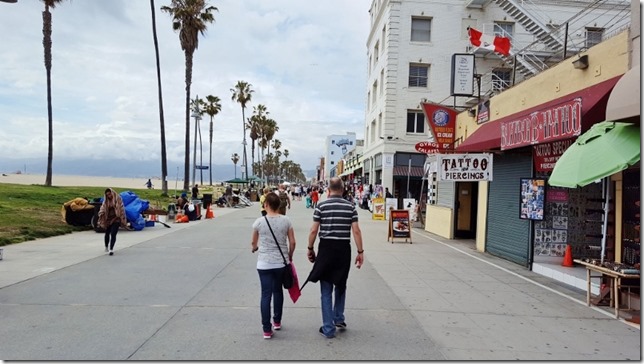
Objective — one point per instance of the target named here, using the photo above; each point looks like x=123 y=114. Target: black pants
x=110 y=235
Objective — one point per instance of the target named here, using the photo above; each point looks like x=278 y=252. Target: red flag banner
x=492 y=42
x=442 y=121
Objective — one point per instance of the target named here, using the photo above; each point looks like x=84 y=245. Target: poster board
x=532 y=200
x=390 y=203
x=409 y=204
x=378 y=205
x=399 y=226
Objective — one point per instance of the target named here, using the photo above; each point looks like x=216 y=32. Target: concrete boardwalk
x=191 y=292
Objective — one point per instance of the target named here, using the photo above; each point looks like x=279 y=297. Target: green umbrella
x=605 y=149
x=236 y=180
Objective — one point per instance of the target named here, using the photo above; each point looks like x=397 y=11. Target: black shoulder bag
x=287 y=278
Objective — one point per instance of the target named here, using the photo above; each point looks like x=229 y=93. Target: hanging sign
x=427 y=147
x=546 y=155
x=442 y=121
x=462 y=77
x=464 y=167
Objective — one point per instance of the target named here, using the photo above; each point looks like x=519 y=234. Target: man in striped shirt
x=334 y=219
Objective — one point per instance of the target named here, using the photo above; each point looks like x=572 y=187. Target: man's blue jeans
x=331 y=313
x=271 y=283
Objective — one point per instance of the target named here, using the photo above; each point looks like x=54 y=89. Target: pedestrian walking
x=269 y=237
x=335 y=219
x=195 y=192
x=111 y=217
x=285 y=201
x=262 y=200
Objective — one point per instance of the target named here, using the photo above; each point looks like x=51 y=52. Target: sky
x=305 y=60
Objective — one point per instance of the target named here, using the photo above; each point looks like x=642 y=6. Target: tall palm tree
x=164 y=159
x=197 y=107
x=46 y=42
x=242 y=94
x=190 y=18
x=253 y=125
x=235 y=159
x=212 y=108
x=269 y=128
x=286 y=153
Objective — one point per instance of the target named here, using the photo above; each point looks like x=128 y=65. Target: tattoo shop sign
x=464 y=167
x=558 y=122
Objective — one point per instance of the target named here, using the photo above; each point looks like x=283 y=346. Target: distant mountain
x=118 y=168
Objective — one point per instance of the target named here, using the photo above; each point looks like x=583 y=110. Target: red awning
x=405 y=170
x=486 y=137
x=594 y=99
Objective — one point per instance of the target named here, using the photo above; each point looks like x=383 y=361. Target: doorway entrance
x=466 y=207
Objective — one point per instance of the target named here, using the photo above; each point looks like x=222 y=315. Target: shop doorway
x=466 y=207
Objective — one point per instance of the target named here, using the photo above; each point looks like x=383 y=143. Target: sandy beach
x=67 y=180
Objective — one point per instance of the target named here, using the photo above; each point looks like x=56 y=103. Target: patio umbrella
x=605 y=149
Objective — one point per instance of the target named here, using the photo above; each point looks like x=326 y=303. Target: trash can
x=172 y=211
x=207 y=200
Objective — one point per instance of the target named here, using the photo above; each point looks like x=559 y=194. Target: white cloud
x=306 y=62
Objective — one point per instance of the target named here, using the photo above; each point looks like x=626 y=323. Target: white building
x=336 y=146
x=410 y=47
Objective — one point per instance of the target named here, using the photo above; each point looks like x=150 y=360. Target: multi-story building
x=336 y=146
x=410 y=47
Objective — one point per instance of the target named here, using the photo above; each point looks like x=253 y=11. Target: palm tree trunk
x=244 y=142
x=186 y=162
x=210 y=149
x=164 y=159
x=252 y=154
x=46 y=21
x=200 y=154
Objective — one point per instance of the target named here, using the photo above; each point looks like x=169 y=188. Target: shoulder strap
x=278 y=244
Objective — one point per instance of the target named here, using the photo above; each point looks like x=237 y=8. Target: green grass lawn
x=29 y=212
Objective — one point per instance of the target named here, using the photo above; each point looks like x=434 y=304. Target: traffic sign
x=201 y=167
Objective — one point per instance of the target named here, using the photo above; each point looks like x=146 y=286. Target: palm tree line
x=190 y=18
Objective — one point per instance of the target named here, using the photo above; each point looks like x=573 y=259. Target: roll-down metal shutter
x=508 y=236
x=446 y=194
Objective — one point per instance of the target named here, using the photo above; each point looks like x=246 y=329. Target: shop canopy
x=605 y=149
x=237 y=180
x=624 y=101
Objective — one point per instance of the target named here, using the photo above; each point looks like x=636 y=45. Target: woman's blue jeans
x=271 y=283
x=331 y=313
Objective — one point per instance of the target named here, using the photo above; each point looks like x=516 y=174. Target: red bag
x=294 y=291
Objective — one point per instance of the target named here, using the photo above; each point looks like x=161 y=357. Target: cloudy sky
x=306 y=61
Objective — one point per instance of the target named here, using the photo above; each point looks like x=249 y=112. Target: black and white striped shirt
x=335 y=216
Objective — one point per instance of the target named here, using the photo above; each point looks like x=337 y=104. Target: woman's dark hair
x=273 y=201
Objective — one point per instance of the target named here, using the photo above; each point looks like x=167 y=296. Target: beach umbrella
x=605 y=149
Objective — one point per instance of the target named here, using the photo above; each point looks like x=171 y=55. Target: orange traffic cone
x=567 y=261
x=209 y=213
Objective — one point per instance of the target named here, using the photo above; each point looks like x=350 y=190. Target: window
x=418 y=75
x=331 y=152
x=374 y=93
x=376 y=52
x=415 y=122
x=382 y=81
x=501 y=79
x=503 y=29
x=383 y=37
x=332 y=162
x=593 y=36
x=420 y=29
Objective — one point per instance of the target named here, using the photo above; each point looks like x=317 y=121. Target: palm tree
x=235 y=159
x=242 y=93
x=254 y=124
x=212 y=108
x=286 y=153
x=164 y=159
x=190 y=18
x=197 y=107
x=269 y=128
x=46 y=42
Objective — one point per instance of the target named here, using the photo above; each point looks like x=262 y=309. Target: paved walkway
x=190 y=293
